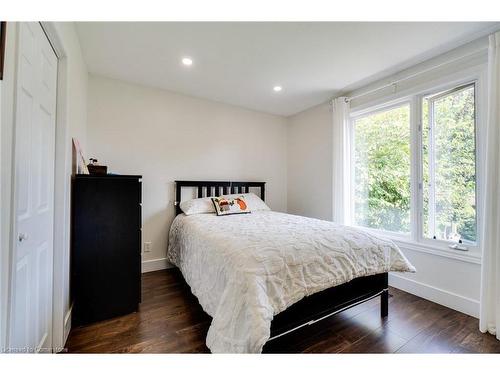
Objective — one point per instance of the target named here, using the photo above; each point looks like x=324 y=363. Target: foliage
x=382 y=168
x=454 y=166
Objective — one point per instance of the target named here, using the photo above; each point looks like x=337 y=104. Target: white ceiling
x=239 y=63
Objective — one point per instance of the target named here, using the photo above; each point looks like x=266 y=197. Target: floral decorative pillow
x=230 y=206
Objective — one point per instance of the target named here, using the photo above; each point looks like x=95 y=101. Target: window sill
x=466 y=256
x=404 y=242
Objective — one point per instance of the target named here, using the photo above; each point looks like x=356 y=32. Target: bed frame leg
x=384 y=303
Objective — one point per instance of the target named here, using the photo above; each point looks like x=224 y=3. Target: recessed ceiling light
x=187 y=61
x=277 y=88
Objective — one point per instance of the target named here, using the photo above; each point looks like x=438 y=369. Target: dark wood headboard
x=216 y=188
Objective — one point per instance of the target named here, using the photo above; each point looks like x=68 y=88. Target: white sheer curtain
x=490 y=272
x=341 y=159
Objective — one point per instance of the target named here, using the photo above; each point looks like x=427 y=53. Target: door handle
x=22 y=237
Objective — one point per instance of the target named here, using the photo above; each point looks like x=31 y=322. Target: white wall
x=448 y=281
x=73 y=116
x=446 y=277
x=310 y=169
x=74 y=120
x=165 y=137
x=77 y=74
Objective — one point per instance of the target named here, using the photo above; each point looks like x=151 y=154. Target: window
x=382 y=170
x=449 y=165
x=432 y=198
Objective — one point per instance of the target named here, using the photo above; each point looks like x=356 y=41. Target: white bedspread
x=245 y=269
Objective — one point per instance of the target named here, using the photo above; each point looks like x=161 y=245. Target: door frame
x=61 y=321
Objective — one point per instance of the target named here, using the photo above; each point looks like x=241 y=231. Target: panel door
x=32 y=269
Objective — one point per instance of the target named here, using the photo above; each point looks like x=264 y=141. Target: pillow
x=197 y=206
x=206 y=206
x=230 y=206
x=252 y=201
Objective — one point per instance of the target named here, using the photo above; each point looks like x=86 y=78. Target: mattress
x=244 y=269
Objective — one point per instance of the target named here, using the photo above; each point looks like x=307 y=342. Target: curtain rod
x=395 y=82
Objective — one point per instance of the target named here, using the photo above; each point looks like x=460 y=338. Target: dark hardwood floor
x=170 y=320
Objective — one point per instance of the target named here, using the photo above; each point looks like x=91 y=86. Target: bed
x=265 y=274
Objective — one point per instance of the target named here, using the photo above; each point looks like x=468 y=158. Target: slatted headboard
x=216 y=188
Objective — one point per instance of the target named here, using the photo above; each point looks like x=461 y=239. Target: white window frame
x=446 y=91
x=414 y=96
x=360 y=115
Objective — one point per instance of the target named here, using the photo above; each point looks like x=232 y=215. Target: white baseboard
x=155 y=265
x=67 y=325
x=452 y=300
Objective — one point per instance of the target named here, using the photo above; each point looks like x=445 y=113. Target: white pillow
x=253 y=202
x=205 y=205
x=198 y=206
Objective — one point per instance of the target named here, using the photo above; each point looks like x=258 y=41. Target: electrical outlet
x=147 y=247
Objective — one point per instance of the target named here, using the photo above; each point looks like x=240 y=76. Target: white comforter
x=245 y=269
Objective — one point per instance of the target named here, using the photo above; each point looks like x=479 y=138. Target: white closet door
x=31 y=294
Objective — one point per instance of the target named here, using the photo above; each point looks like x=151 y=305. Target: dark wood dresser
x=106 y=247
